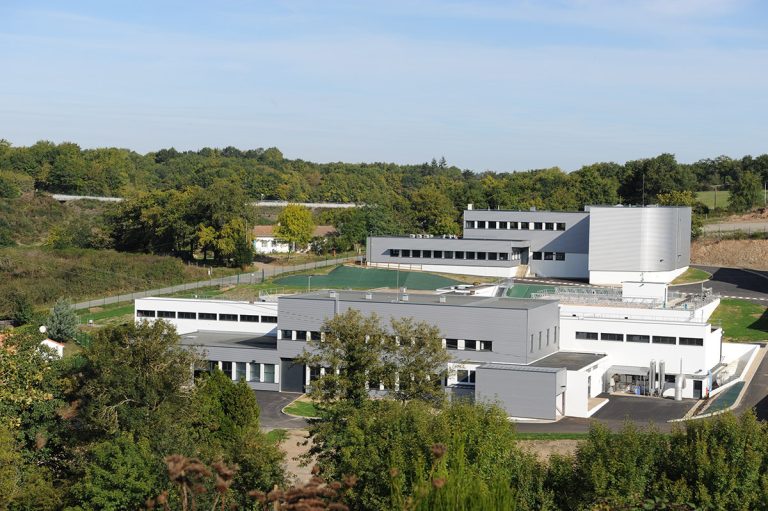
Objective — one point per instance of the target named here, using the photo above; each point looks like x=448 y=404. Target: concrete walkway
x=254 y=277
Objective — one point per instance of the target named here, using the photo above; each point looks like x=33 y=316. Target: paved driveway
x=733 y=282
x=271 y=405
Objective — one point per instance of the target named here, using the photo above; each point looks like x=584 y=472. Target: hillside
x=736 y=253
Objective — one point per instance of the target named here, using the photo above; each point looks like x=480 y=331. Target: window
x=437 y=254
x=269 y=319
x=249 y=319
x=559 y=256
x=691 y=341
x=426 y=253
x=470 y=345
x=587 y=336
x=503 y=256
x=406 y=253
x=547 y=336
x=466 y=376
x=537 y=256
x=539 y=340
x=145 y=314
x=557 y=334
x=286 y=334
x=469 y=224
x=531 y=343
x=415 y=253
x=492 y=256
x=187 y=315
x=394 y=252
x=166 y=314
x=612 y=337
x=451 y=344
x=491 y=224
x=662 y=339
x=470 y=255
x=549 y=226
x=207 y=315
x=254 y=371
x=549 y=256
x=481 y=256
x=459 y=254
x=561 y=226
x=481 y=224
x=227 y=317
x=314 y=373
x=513 y=225
x=226 y=368
x=269 y=373
x=213 y=364
x=316 y=336
x=240 y=371
x=638 y=338
x=524 y=226
x=301 y=335
x=485 y=345
x=503 y=225
x=537 y=226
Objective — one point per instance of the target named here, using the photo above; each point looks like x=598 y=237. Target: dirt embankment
x=737 y=253
x=544 y=449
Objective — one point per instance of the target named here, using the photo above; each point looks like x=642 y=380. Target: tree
x=22 y=311
x=120 y=473
x=63 y=321
x=295 y=225
x=132 y=374
x=685 y=198
x=357 y=352
x=745 y=193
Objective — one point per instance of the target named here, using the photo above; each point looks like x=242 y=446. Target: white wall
x=575 y=266
x=270 y=245
x=615 y=278
x=481 y=271
x=184 y=326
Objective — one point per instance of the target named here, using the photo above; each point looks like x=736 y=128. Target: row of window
x=656 y=339
x=206 y=316
x=300 y=335
x=548 y=256
x=521 y=226
x=553 y=338
x=468 y=345
x=248 y=371
x=453 y=254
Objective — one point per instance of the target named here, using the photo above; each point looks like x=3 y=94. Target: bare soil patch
x=544 y=449
x=293 y=447
x=735 y=253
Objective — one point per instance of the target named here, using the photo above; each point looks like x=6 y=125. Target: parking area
x=271 y=405
x=642 y=409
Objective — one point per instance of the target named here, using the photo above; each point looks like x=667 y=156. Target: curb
x=282 y=410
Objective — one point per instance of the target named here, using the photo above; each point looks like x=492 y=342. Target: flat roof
x=206 y=299
x=425 y=299
x=521 y=368
x=570 y=360
x=229 y=340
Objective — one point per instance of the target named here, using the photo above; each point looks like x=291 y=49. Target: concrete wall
x=217 y=307
x=528 y=392
x=574 y=267
x=615 y=278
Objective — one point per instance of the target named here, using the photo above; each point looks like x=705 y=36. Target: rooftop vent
x=441 y=299
x=333 y=294
x=470 y=206
x=369 y=296
x=412 y=235
x=404 y=298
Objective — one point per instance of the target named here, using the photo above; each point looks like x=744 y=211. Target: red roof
x=269 y=230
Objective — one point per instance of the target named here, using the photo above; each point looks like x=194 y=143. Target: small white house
x=265 y=241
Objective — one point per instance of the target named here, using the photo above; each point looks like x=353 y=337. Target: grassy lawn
x=708 y=198
x=742 y=320
x=692 y=275
x=107 y=312
x=302 y=409
x=276 y=435
x=551 y=436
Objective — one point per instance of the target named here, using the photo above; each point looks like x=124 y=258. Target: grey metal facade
x=523 y=391
x=573 y=239
x=507 y=323
x=379 y=250
x=639 y=239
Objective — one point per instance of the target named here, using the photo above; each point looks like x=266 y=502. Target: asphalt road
x=271 y=405
x=733 y=282
x=756 y=395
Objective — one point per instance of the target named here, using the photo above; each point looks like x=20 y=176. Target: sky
x=489 y=85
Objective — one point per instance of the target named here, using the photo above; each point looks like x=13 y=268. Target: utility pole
x=716 y=187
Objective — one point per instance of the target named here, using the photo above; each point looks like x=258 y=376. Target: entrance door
x=697 y=389
x=291 y=376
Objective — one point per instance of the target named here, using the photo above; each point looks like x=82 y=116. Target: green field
x=302 y=409
x=526 y=290
x=349 y=277
x=691 y=275
x=742 y=320
x=708 y=198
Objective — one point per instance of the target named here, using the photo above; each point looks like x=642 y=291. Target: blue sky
x=507 y=85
